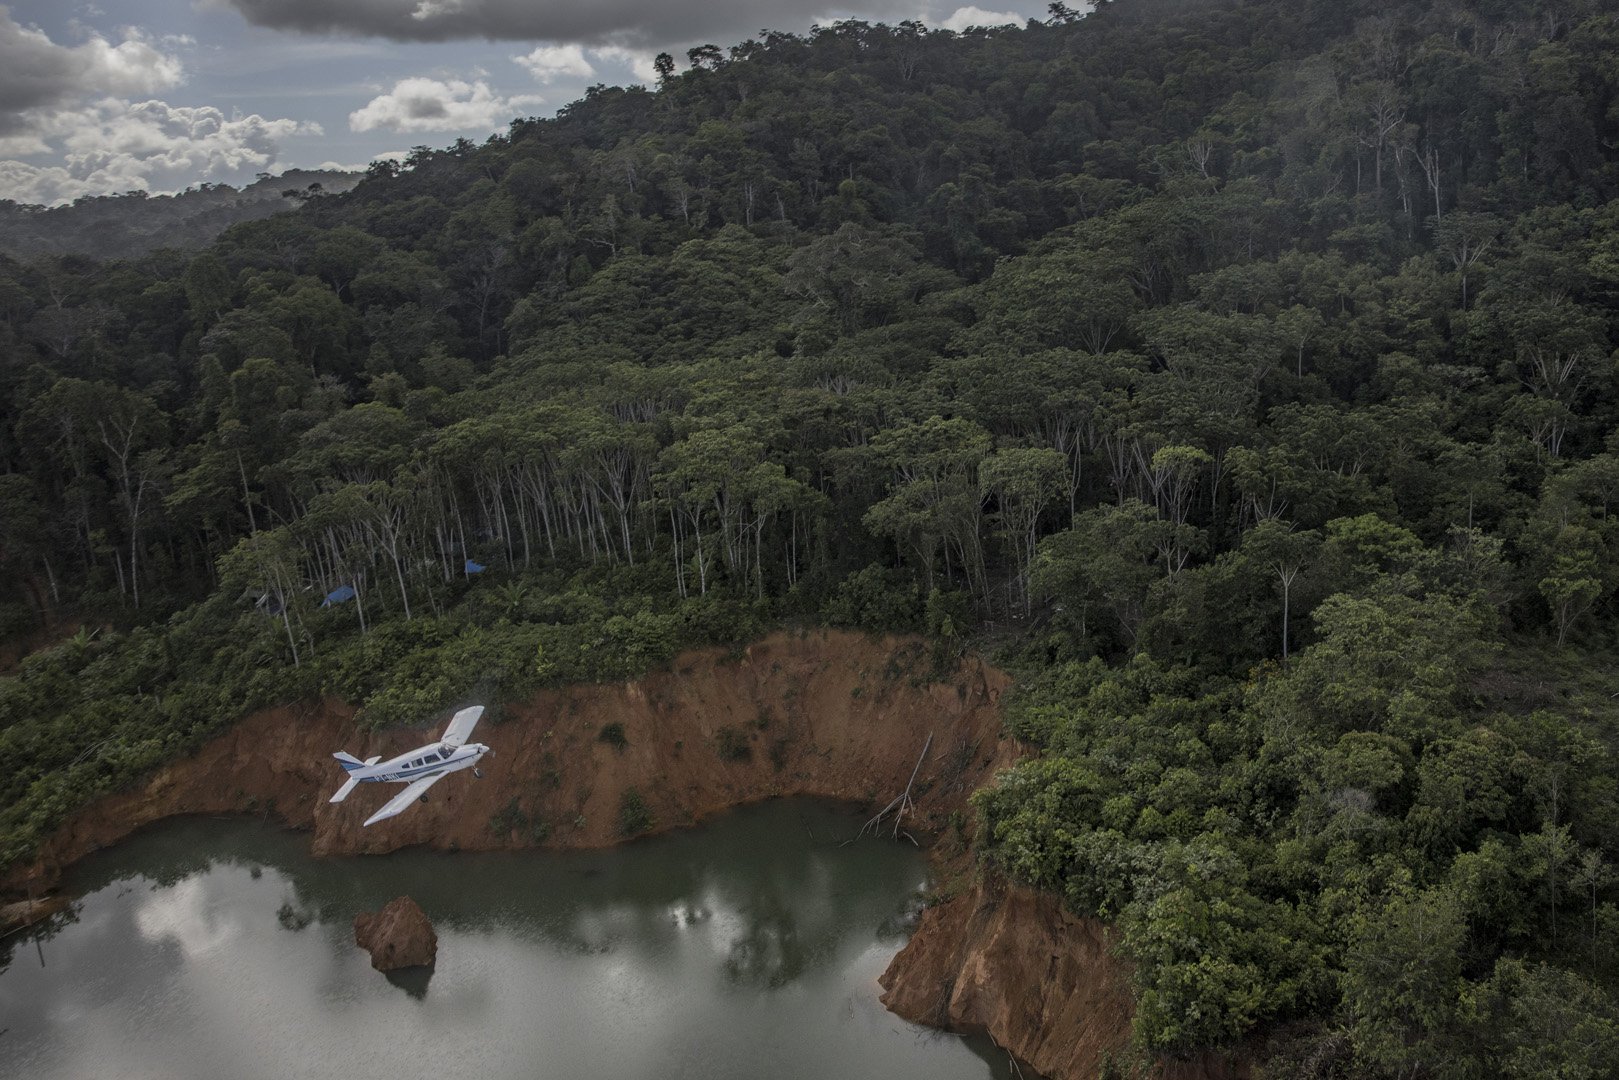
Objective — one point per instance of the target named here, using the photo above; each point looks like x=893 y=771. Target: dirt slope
x=828 y=714
x=1013 y=963
x=1041 y=981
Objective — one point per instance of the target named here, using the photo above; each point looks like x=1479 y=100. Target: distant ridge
x=121 y=226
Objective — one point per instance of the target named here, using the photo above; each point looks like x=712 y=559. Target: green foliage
x=947 y=616
x=634 y=816
x=1245 y=366
x=407 y=672
x=1217 y=960
x=1350 y=837
x=1538 y=1021
x=612 y=733
x=876 y=600
x=508 y=820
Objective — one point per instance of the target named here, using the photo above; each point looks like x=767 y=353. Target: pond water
x=749 y=947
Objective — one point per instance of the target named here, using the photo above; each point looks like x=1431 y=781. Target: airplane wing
x=401 y=802
x=461 y=726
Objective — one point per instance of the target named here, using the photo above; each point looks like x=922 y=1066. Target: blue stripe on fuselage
x=408 y=774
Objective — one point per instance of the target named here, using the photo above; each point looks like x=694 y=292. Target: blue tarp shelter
x=338 y=595
x=475 y=568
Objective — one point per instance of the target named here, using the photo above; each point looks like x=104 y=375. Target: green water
x=218 y=948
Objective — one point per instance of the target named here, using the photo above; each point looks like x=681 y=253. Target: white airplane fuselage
x=421 y=762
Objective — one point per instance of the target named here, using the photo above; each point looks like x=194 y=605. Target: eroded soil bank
x=821 y=713
x=1042 y=982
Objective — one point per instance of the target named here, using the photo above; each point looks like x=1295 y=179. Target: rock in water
x=398 y=936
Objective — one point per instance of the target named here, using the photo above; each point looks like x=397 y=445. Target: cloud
x=116 y=145
x=550 y=62
x=357 y=166
x=435 y=9
x=639 y=61
x=963 y=18
x=630 y=23
x=36 y=73
x=421 y=104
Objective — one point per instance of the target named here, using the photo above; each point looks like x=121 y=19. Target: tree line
x=1252 y=362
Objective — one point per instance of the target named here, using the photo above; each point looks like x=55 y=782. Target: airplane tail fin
x=350 y=763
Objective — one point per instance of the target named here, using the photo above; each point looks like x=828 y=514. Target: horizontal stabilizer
x=343 y=792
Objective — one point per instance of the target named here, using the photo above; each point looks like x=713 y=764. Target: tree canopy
x=1245 y=369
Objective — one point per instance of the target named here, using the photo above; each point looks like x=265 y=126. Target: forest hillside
x=1243 y=371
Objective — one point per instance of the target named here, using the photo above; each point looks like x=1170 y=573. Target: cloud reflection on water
x=718 y=953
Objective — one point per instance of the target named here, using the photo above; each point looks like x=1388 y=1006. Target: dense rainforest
x=1242 y=371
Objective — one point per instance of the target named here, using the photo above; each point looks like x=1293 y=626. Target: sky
x=105 y=96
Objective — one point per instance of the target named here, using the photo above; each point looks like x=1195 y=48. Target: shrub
x=718 y=619
x=613 y=735
x=508 y=820
x=16 y=619
x=877 y=600
x=634 y=816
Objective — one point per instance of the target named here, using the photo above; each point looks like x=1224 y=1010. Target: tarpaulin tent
x=338 y=595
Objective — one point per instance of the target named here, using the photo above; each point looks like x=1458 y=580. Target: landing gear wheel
x=478 y=773
x=422 y=799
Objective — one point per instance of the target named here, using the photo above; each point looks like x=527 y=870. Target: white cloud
x=639 y=61
x=23 y=143
x=551 y=62
x=132 y=66
x=195 y=136
x=116 y=145
x=338 y=166
x=963 y=18
x=421 y=104
x=36 y=73
x=435 y=9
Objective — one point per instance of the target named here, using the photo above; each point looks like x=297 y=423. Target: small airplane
x=421 y=768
